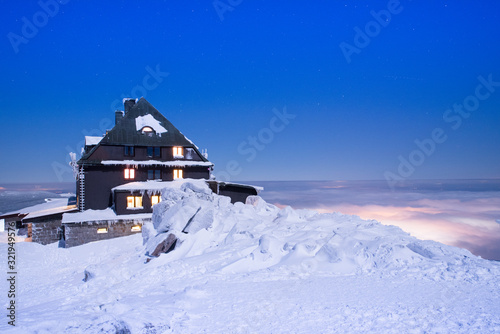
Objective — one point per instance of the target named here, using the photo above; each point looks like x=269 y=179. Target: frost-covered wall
x=46 y=231
x=76 y=234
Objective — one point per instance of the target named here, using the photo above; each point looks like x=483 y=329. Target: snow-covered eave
x=154 y=186
x=106 y=215
x=174 y=163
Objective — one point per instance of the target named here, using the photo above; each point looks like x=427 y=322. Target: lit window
x=178 y=174
x=148 y=130
x=102 y=230
x=155 y=199
x=136 y=228
x=178 y=152
x=129 y=173
x=134 y=202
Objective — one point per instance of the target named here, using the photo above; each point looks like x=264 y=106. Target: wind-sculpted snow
x=254 y=268
x=261 y=236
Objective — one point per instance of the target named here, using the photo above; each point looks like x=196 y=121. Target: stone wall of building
x=76 y=234
x=45 y=231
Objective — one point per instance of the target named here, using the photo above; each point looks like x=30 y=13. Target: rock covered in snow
x=187 y=209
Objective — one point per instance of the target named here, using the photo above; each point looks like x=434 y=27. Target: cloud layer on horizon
x=446 y=213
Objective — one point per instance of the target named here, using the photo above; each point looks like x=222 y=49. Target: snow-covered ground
x=255 y=268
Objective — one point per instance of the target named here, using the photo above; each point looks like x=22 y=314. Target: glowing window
x=178 y=152
x=129 y=173
x=155 y=199
x=147 y=129
x=134 y=202
x=178 y=174
x=102 y=230
x=136 y=228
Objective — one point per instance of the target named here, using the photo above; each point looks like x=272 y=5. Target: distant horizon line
x=302 y=180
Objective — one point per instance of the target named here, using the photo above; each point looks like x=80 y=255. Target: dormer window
x=147 y=130
x=178 y=152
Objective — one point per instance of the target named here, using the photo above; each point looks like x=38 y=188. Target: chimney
x=118 y=116
x=128 y=103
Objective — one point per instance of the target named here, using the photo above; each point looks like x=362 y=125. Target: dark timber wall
x=99 y=180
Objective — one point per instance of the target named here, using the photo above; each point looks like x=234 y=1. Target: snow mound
x=241 y=238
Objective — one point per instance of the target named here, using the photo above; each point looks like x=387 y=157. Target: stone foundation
x=76 y=234
x=45 y=231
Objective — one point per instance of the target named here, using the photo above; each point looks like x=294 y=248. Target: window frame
x=153 y=152
x=134 y=202
x=129 y=173
x=129 y=151
x=178 y=174
x=157 y=197
x=178 y=151
x=154 y=174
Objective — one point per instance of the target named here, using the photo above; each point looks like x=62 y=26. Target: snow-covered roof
x=96 y=215
x=259 y=189
x=92 y=140
x=52 y=211
x=127 y=131
x=149 y=120
x=50 y=207
x=175 y=163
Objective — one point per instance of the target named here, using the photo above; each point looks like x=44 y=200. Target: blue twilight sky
x=359 y=81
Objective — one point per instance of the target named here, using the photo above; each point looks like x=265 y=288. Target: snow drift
x=259 y=236
x=254 y=268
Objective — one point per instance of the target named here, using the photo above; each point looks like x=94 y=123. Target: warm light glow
x=178 y=152
x=129 y=173
x=136 y=228
x=102 y=230
x=134 y=202
x=178 y=174
x=147 y=129
x=155 y=199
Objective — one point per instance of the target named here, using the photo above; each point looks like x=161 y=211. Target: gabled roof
x=128 y=130
x=126 y=133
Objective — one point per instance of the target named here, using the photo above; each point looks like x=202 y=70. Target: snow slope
x=255 y=268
